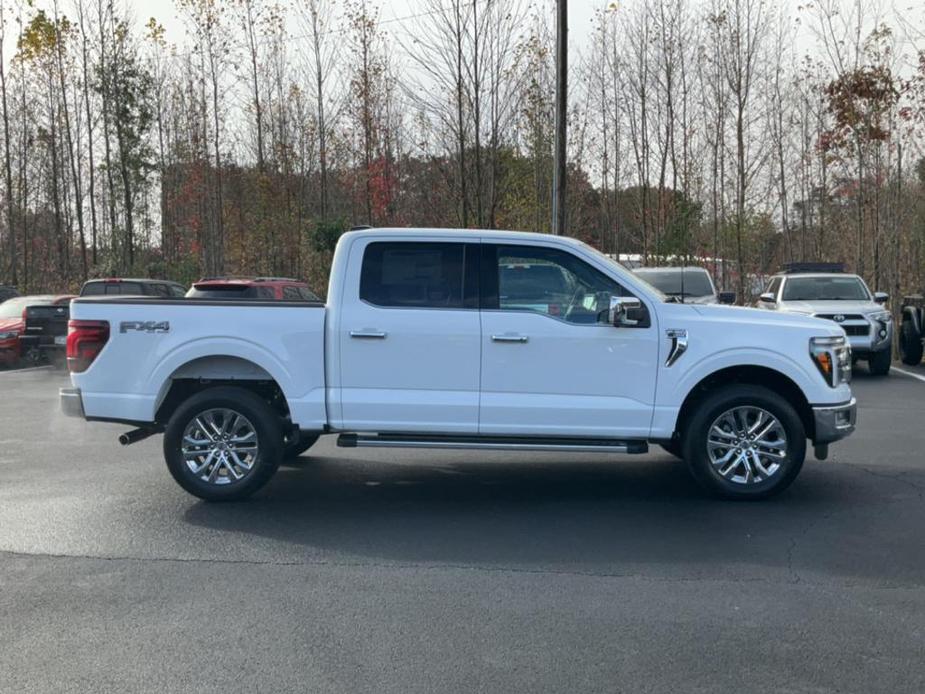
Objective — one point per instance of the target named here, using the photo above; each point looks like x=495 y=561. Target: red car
x=266 y=288
x=13 y=322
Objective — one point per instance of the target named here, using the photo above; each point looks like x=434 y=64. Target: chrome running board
x=494 y=443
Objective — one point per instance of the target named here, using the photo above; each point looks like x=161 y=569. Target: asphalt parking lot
x=385 y=571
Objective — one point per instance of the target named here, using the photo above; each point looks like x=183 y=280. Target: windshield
x=695 y=281
x=825 y=289
x=13 y=308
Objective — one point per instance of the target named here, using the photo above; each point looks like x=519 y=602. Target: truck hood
x=700 y=300
x=743 y=316
x=827 y=307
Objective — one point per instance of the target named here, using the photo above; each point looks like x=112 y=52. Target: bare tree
x=7 y=156
x=744 y=27
x=322 y=58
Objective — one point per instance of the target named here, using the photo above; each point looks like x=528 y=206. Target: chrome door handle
x=509 y=338
x=368 y=334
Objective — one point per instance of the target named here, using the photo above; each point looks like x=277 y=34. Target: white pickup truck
x=463 y=339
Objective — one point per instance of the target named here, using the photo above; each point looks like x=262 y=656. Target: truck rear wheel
x=223 y=444
x=744 y=442
x=910 y=344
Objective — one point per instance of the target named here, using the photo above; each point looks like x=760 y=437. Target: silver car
x=843 y=298
x=691 y=284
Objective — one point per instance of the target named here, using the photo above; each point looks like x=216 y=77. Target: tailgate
x=47 y=323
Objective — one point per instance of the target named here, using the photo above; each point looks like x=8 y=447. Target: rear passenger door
x=409 y=334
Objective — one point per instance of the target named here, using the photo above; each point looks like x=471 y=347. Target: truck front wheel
x=879 y=362
x=744 y=442
x=223 y=444
x=910 y=344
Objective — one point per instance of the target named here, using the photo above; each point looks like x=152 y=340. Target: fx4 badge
x=144 y=326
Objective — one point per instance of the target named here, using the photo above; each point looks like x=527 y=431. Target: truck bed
x=153 y=341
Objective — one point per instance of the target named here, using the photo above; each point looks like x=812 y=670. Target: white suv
x=839 y=297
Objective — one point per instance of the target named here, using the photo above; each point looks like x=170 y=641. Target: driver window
x=553 y=282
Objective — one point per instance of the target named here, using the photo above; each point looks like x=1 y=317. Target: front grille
x=854 y=324
x=856 y=330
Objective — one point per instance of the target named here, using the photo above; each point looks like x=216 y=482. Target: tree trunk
x=7 y=161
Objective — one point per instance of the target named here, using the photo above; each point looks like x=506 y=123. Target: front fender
x=678 y=381
x=808 y=380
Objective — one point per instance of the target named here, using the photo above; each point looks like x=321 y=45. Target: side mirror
x=726 y=297
x=881 y=297
x=619 y=307
x=767 y=298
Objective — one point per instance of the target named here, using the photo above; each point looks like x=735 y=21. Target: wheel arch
x=203 y=372
x=749 y=374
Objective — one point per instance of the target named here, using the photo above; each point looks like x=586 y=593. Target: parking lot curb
x=909 y=373
x=26 y=370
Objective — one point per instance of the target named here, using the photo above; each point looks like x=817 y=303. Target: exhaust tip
x=136 y=435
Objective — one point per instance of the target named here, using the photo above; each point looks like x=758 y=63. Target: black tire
x=879 y=362
x=673 y=447
x=910 y=344
x=298 y=444
x=33 y=357
x=713 y=405
x=265 y=421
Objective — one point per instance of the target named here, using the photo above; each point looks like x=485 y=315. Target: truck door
x=409 y=336
x=551 y=364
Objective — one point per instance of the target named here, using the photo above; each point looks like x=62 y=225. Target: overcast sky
x=581 y=14
x=391 y=11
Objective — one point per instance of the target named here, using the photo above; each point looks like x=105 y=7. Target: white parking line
x=909 y=373
x=26 y=370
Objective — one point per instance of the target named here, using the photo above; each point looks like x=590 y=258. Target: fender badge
x=678 y=339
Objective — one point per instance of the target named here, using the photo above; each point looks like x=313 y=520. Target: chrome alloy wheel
x=220 y=446
x=747 y=445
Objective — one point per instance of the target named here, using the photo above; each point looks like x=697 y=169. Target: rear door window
x=414 y=275
x=93 y=289
x=228 y=292
x=291 y=293
x=123 y=288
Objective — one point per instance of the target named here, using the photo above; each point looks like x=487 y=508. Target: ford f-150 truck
x=431 y=338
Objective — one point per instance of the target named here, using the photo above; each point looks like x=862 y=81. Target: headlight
x=9 y=335
x=882 y=316
x=832 y=356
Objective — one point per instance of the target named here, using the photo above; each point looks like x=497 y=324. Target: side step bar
x=496 y=443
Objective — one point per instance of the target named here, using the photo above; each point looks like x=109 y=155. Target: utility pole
x=558 y=174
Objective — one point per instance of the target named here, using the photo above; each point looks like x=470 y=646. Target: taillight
x=85 y=339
